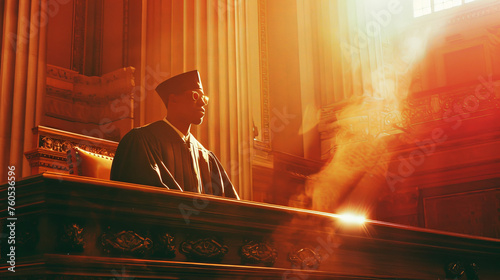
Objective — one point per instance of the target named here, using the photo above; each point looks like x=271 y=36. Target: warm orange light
x=352 y=218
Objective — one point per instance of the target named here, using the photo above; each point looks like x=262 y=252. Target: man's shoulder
x=150 y=130
x=153 y=126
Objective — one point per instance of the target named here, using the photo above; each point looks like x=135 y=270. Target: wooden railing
x=75 y=227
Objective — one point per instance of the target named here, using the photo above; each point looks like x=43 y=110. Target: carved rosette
x=126 y=242
x=206 y=249
x=305 y=258
x=71 y=239
x=258 y=252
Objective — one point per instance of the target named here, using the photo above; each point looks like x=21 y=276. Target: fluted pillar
x=7 y=83
x=22 y=80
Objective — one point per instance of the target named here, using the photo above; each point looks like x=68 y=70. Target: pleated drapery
x=22 y=80
x=341 y=53
x=210 y=36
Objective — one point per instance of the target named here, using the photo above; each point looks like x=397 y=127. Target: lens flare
x=350 y=218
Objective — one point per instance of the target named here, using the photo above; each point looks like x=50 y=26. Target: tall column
x=20 y=79
x=31 y=85
x=7 y=83
x=22 y=76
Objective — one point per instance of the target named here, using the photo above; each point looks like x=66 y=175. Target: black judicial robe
x=156 y=155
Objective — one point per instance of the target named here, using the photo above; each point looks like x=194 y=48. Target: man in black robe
x=165 y=154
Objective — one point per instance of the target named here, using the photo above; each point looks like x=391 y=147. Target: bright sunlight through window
x=425 y=7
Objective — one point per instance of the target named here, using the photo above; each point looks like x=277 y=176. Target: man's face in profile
x=192 y=103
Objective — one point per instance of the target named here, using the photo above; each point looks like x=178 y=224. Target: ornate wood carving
x=62 y=74
x=63 y=145
x=126 y=242
x=46 y=159
x=258 y=252
x=92 y=90
x=305 y=258
x=52 y=145
x=72 y=238
x=165 y=245
x=468 y=102
x=205 y=249
x=102 y=106
x=46 y=195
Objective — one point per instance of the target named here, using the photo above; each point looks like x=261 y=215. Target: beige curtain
x=342 y=49
x=22 y=80
x=208 y=35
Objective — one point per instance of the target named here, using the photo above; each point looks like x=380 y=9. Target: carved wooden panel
x=120 y=228
x=474 y=213
x=95 y=106
x=50 y=153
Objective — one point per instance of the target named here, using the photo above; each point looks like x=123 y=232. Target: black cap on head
x=178 y=84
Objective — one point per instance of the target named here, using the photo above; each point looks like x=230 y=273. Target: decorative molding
x=61 y=141
x=60 y=73
x=92 y=101
x=370 y=122
x=57 y=145
x=125 y=45
x=89 y=100
x=305 y=258
x=52 y=146
x=206 y=249
x=78 y=42
x=258 y=252
x=165 y=245
x=471 y=15
x=40 y=193
x=440 y=106
x=63 y=145
x=469 y=102
x=96 y=59
x=90 y=89
x=72 y=238
x=54 y=164
x=125 y=242
x=37 y=154
x=265 y=144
